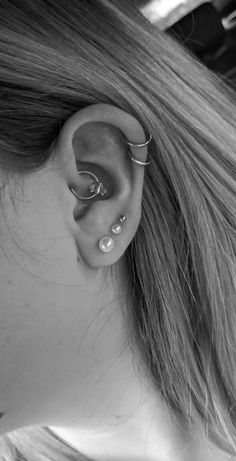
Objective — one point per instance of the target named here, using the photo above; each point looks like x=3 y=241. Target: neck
x=147 y=429
x=124 y=416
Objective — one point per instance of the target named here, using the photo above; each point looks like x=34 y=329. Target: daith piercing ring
x=96 y=188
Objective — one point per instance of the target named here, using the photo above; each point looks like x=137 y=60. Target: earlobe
x=99 y=137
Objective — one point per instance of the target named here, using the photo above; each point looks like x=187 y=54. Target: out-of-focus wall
x=165 y=13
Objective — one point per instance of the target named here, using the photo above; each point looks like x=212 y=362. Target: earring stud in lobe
x=106 y=243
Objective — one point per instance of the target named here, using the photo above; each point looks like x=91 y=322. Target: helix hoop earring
x=134 y=159
x=142 y=144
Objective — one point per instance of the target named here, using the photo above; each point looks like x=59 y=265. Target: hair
x=57 y=57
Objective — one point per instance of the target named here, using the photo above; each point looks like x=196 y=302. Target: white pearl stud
x=116 y=229
x=106 y=244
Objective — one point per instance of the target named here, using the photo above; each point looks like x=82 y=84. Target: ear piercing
x=106 y=243
x=134 y=159
x=116 y=228
x=96 y=188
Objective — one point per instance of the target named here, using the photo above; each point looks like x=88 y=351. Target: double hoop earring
x=107 y=243
x=134 y=159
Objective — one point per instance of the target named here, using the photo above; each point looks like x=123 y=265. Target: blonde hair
x=57 y=57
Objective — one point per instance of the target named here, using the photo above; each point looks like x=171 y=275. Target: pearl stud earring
x=106 y=243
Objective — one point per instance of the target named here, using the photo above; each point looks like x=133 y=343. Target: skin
x=65 y=360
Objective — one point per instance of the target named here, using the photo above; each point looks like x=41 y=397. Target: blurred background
x=206 y=28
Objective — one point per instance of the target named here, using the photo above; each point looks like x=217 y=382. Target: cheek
x=48 y=257
x=42 y=325
x=36 y=235
x=48 y=300
x=43 y=306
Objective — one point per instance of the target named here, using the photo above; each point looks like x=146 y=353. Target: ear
x=95 y=139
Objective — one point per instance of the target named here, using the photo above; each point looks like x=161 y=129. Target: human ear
x=95 y=139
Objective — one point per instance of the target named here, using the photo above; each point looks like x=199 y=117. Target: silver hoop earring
x=134 y=159
x=96 y=188
x=142 y=144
